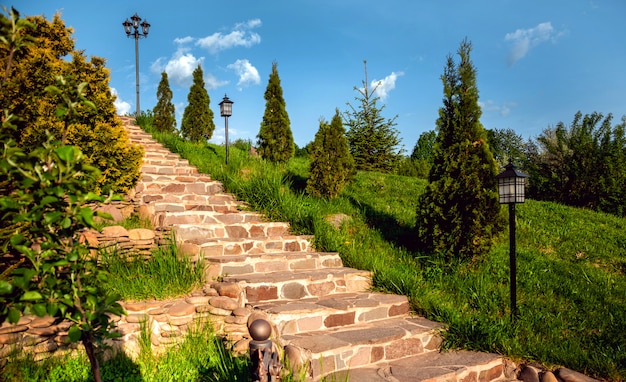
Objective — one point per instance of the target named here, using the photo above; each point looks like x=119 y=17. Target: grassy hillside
x=571 y=262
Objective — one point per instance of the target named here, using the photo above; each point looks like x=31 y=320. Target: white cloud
x=122 y=107
x=490 y=106
x=525 y=39
x=248 y=74
x=384 y=86
x=180 y=67
x=241 y=35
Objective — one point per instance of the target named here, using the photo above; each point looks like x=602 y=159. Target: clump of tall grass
x=163 y=274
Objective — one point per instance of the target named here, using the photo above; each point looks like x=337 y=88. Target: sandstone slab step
x=271 y=262
x=366 y=344
x=200 y=217
x=228 y=247
x=343 y=309
x=455 y=366
x=223 y=203
x=299 y=284
x=232 y=230
x=179 y=187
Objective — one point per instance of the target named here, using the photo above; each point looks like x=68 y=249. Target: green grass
x=571 y=263
x=163 y=275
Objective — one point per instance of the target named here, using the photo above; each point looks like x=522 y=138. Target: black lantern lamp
x=226 y=110
x=132 y=29
x=511 y=188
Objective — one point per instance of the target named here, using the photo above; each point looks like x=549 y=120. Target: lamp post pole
x=511 y=187
x=137 y=35
x=226 y=110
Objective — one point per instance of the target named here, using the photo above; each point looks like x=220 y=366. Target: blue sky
x=538 y=61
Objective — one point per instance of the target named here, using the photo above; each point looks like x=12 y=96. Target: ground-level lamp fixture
x=226 y=110
x=132 y=30
x=511 y=187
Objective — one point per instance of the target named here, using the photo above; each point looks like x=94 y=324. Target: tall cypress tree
x=164 y=112
x=275 y=140
x=332 y=166
x=374 y=142
x=197 y=124
x=458 y=214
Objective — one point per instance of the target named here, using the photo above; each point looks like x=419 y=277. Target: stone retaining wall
x=218 y=304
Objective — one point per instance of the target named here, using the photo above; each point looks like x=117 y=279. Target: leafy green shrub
x=332 y=166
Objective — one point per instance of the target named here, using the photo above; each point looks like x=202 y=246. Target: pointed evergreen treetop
x=164 y=112
x=275 y=140
x=197 y=124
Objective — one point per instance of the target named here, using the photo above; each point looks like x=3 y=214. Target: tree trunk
x=91 y=354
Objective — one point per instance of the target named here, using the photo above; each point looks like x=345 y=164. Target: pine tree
x=332 y=166
x=373 y=140
x=275 y=140
x=458 y=214
x=164 y=112
x=197 y=124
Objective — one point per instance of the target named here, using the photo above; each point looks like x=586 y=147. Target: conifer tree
x=332 y=166
x=275 y=140
x=197 y=124
x=99 y=133
x=373 y=140
x=164 y=112
x=458 y=214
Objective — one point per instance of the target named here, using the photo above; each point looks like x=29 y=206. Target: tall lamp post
x=226 y=110
x=511 y=187
x=132 y=29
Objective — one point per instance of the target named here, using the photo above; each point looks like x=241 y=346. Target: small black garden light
x=511 y=187
x=226 y=110
x=134 y=32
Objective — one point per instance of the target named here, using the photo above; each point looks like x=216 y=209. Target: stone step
x=223 y=203
x=331 y=311
x=217 y=202
x=256 y=230
x=228 y=247
x=179 y=187
x=207 y=217
x=347 y=348
x=299 y=284
x=175 y=178
x=165 y=169
x=271 y=262
x=453 y=366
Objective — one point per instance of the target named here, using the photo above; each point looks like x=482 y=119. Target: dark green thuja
x=332 y=166
x=164 y=111
x=197 y=124
x=458 y=216
x=275 y=140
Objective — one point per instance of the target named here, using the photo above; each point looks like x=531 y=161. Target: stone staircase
x=324 y=314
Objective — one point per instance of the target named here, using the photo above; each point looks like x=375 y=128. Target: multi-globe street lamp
x=132 y=29
x=226 y=110
x=511 y=187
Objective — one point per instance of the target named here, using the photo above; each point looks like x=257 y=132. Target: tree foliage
x=46 y=269
x=197 y=124
x=332 y=166
x=458 y=214
x=42 y=56
x=506 y=146
x=581 y=164
x=275 y=139
x=164 y=111
x=421 y=159
x=373 y=139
